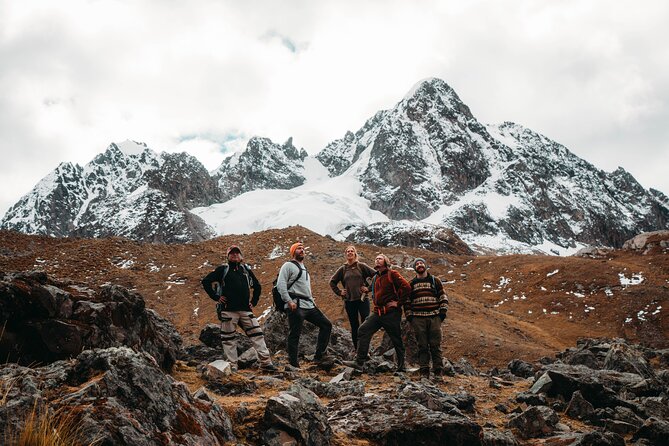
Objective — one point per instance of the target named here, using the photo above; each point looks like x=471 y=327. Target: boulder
x=531 y=399
x=534 y=422
x=654 y=430
x=580 y=408
x=117 y=396
x=434 y=398
x=623 y=358
x=600 y=439
x=45 y=321
x=494 y=437
x=299 y=413
x=521 y=368
x=384 y=421
x=332 y=390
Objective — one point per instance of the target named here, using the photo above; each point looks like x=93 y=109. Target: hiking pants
x=295 y=320
x=248 y=321
x=390 y=322
x=428 y=336
x=353 y=309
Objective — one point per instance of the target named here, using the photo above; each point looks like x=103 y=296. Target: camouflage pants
x=250 y=325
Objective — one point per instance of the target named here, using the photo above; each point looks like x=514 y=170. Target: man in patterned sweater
x=425 y=310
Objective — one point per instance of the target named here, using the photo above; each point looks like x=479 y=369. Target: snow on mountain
x=322 y=204
x=429 y=159
x=128 y=190
x=262 y=165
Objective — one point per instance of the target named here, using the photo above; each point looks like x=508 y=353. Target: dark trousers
x=355 y=308
x=428 y=338
x=295 y=320
x=390 y=322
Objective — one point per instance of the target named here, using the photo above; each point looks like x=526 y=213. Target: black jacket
x=235 y=288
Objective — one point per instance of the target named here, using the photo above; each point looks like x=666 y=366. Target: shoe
x=292 y=368
x=268 y=368
x=353 y=364
x=401 y=368
x=323 y=358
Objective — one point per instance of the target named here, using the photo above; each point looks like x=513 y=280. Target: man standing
x=426 y=310
x=389 y=292
x=300 y=305
x=233 y=283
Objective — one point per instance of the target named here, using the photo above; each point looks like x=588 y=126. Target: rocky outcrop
x=647 y=241
x=263 y=165
x=45 y=321
x=411 y=234
x=116 y=396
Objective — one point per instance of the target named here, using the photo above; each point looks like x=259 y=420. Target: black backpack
x=218 y=287
x=279 y=304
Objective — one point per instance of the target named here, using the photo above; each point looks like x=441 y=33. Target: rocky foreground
x=116 y=369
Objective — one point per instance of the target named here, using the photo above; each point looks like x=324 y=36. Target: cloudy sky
x=204 y=76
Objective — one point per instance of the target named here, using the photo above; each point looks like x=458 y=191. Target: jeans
x=390 y=322
x=295 y=320
x=428 y=337
x=353 y=309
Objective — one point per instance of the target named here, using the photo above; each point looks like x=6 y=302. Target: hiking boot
x=292 y=368
x=268 y=368
x=353 y=364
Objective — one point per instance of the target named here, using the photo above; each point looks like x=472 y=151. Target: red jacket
x=390 y=288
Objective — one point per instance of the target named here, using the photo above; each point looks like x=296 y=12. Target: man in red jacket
x=389 y=293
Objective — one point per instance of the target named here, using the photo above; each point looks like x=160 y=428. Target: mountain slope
x=128 y=190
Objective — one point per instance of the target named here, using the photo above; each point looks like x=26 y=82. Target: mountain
x=427 y=165
x=128 y=190
x=429 y=159
x=263 y=165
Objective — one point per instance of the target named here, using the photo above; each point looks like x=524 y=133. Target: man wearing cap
x=233 y=283
x=300 y=305
x=426 y=310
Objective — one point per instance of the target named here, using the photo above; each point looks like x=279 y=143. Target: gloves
x=254 y=301
x=442 y=316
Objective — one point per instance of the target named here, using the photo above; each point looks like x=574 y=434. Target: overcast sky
x=204 y=76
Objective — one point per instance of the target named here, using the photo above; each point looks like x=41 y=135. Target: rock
x=117 y=396
x=593 y=252
x=542 y=385
x=218 y=370
x=385 y=422
x=433 y=398
x=463 y=367
x=580 y=408
x=534 y=422
x=521 y=368
x=494 y=437
x=657 y=407
x=646 y=240
x=46 y=322
x=332 y=390
x=210 y=335
x=623 y=358
x=600 y=439
x=654 y=430
x=299 y=413
x=346 y=375
x=277 y=437
x=531 y=399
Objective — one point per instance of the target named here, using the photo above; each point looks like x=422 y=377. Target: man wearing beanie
x=300 y=305
x=230 y=286
x=425 y=310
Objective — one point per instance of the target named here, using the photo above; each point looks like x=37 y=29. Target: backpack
x=279 y=304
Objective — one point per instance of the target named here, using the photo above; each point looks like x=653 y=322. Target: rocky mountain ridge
x=501 y=188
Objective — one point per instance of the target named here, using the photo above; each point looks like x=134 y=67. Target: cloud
x=78 y=75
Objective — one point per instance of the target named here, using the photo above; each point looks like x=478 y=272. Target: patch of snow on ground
x=277 y=252
x=552 y=273
x=635 y=279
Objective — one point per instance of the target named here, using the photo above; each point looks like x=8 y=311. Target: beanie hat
x=294 y=246
x=419 y=259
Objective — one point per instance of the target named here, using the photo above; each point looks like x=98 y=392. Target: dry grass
x=43 y=428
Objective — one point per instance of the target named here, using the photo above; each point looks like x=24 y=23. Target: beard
x=420 y=269
x=299 y=256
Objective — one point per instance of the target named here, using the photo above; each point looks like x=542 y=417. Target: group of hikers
x=423 y=300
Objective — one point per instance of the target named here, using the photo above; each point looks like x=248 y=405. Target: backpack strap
x=298 y=274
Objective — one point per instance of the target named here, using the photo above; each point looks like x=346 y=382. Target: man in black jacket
x=230 y=286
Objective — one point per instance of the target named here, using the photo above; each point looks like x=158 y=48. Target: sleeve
x=403 y=287
x=366 y=270
x=286 y=273
x=443 y=298
x=257 y=289
x=209 y=279
x=408 y=312
x=337 y=277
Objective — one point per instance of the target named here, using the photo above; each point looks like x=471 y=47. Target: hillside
x=502 y=307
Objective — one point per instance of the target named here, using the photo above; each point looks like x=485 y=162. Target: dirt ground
x=501 y=307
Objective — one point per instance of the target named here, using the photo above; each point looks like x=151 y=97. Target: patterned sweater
x=427 y=298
